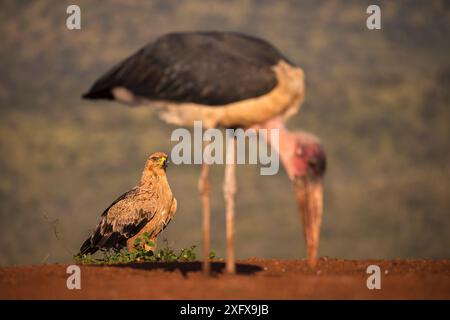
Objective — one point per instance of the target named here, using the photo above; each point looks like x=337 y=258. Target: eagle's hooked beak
x=309 y=196
x=164 y=162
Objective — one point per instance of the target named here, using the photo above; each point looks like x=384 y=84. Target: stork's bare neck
x=285 y=145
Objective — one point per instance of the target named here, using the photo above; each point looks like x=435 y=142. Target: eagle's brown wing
x=157 y=224
x=124 y=218
x=169 y=216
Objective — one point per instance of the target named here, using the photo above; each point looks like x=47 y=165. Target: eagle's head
x=157 y=162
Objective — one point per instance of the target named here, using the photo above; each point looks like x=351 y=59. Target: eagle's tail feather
x=88 y=247
x=98 y=241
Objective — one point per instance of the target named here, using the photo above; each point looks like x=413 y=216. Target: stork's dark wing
x=124 y=218
x=210 y=68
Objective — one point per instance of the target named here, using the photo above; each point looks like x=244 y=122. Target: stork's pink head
x=303 y=156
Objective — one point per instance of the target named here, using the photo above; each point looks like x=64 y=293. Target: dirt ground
x=256 y=279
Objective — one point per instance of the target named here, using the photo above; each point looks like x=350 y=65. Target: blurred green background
x=378 y=99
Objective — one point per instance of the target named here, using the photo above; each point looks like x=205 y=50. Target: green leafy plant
x=142 y=252
x=212 y=255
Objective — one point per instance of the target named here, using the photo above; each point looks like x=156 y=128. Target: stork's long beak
x=309 y=195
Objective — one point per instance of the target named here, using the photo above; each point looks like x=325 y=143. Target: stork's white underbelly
x=283 y=100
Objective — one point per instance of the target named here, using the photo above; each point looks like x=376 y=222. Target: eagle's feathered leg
x=229 y=189
x=130 y=243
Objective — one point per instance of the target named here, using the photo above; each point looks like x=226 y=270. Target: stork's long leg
x=204 y=189
x=229 y=189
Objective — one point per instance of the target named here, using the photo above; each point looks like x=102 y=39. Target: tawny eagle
x=148 y=207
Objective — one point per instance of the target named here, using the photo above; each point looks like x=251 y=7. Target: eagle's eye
x=159 y=161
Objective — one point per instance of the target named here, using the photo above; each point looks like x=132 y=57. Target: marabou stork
x=226 y=80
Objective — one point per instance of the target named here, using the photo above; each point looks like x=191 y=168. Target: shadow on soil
x=184 y=268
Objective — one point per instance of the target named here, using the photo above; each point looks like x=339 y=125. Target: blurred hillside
x=378 y=99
